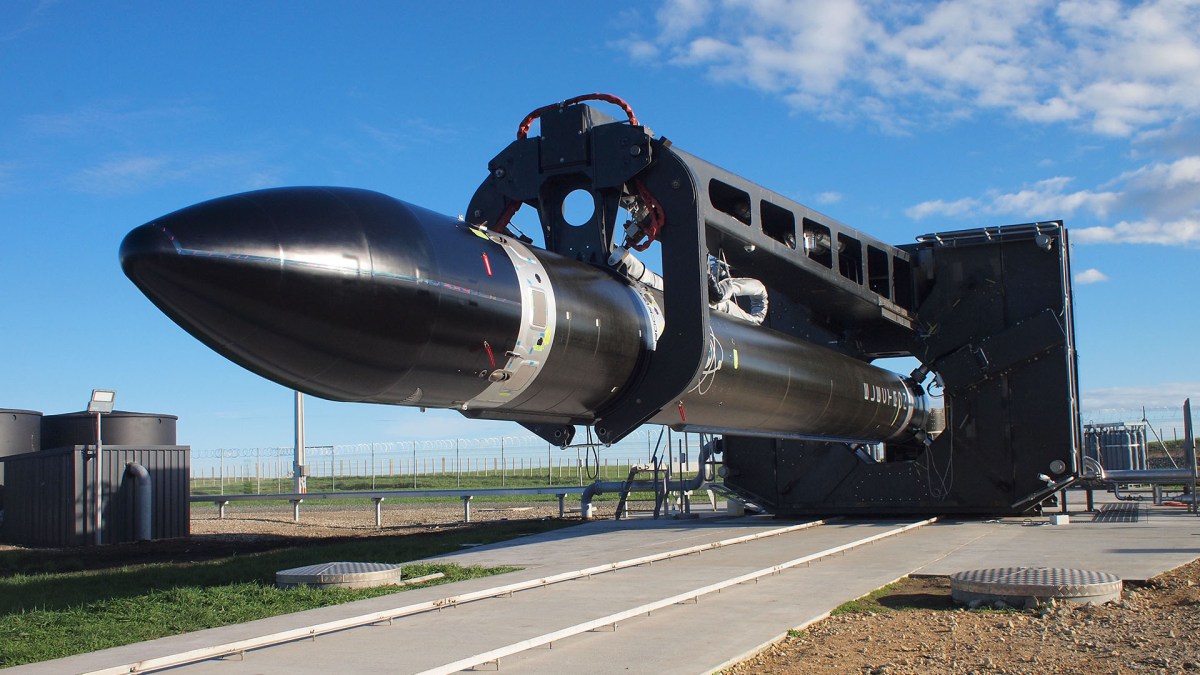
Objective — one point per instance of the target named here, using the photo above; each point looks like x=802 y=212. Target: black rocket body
x=352 y=295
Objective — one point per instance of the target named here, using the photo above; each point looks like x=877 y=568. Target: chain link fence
x=507 y=461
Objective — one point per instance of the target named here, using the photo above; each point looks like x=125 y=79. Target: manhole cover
x=339 y=575
x=1016 y=585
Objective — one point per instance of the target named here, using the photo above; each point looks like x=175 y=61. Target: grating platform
x=1018 y=585
x=1122 y=512
x=339 y=575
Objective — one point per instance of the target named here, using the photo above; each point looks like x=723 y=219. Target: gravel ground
x=1153 y=629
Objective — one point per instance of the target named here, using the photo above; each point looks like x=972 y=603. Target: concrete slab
x=1161 y=539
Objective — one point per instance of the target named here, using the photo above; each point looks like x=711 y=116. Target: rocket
x=352 y=295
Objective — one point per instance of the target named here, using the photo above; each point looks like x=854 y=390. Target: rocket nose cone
x=144 y=244
x=281 y=282
x=342 y=293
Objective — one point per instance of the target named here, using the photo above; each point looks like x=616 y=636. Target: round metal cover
x=1014 y=585
x=339 y=575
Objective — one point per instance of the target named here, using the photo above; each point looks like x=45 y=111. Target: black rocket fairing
x=352 y=295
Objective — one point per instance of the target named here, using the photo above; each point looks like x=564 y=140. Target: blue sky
x=895 y=118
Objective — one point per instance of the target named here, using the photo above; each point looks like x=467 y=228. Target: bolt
x=477 y=213
x=675 y=184
x=635 y=150
x=498 y=173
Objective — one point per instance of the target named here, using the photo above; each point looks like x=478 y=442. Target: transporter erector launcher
x=761 y=327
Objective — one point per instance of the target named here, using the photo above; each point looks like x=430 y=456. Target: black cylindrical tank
x=20 y=432
x=117 y=428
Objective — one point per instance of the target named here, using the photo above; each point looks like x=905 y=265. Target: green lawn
x=50 y=609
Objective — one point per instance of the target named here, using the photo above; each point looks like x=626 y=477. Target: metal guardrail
x=378 y=496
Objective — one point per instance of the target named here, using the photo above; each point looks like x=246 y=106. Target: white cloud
x=1165 y=395
x=1113 y=68
x=1049 y=198
x=1040 y=201
x=825 y=198
x=639 y=50
x=1164 y=198
x=1185 y=232
x=121 y=175
x=1090 y=276
x=1167 y=190
x=938 y=207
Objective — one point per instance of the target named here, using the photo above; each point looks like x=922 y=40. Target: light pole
x=300 y=465
x=101 y=403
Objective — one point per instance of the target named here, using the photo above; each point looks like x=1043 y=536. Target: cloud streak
x=136 y=173
x=1164 y=195
x=1167 y=395
x=1033 y=201
x=32 y=20
x=109 y=118
x=1115 y=69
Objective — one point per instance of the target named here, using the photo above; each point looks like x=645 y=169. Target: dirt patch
x=916 y=628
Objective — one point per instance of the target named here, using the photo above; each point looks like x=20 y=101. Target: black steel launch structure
x=352 y=295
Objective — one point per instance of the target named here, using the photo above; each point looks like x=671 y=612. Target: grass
x=869 y=603
x=49 y=609
x=909 y=593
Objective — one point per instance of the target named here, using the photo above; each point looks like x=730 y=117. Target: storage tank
x=20 y=432
x=118 y=428
x=1118 y=445
x=51 y=496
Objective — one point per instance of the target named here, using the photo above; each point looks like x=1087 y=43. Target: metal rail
x=378 y=496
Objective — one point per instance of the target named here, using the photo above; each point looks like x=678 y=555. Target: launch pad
x=772 y=577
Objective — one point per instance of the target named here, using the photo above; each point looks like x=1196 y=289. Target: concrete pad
x=695 y=637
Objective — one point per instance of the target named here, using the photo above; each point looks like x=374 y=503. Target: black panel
x=995 y=326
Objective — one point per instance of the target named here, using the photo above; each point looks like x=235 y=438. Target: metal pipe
x=1190 y=444
x=143 y=501
x=1093 y=469
x=299 y=471
x=99 y=523
x=1151 y=476
x=692 y=484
